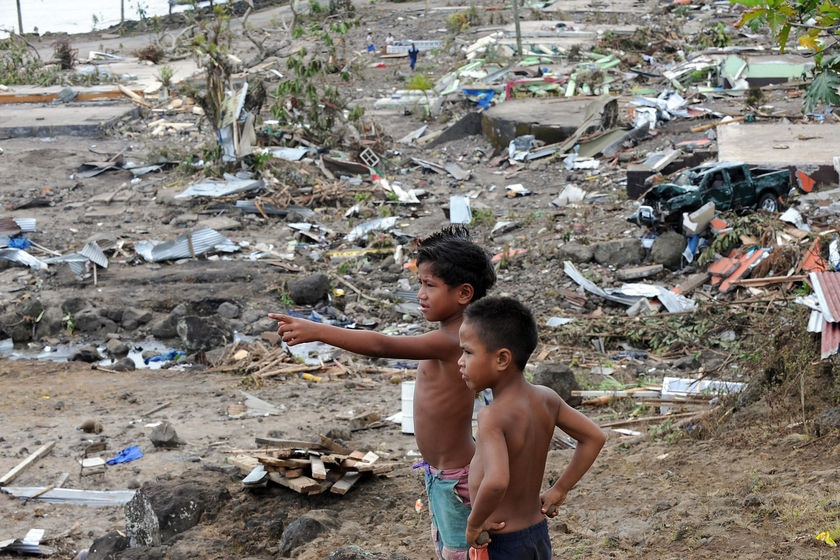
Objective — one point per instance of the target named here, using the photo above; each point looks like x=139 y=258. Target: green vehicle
x=731 y=186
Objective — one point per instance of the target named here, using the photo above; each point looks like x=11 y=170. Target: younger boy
x=498 y=335
x=453 y=272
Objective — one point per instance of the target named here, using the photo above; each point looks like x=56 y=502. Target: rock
x=353 y=552
x=124 y=364
x=827 y=420
x=310 y=290
x=51 y=323
x=575 y=252
x=90 y=321
x=133 y=318
x=619 y=252
x=160 y=510
x=228 y=310
x=117 y=348
x=108 y=546
x=164 y=435
x=667 y=250
x=560 y=378
x=203 y=333
x=305 y=529
x=89 y=354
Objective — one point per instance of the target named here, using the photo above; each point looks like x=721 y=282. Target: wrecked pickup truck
x=730 y=186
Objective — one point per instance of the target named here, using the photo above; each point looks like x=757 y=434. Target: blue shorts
x=532 y=543
x=449 y=506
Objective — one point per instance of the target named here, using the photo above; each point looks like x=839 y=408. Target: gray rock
x=89 y=354
x=619 y=252
x=305 y=529
x=560 y=378
x=164 y=435
x=117 y=348
x=309 y=290
x=163 y=509
x=353 y=552
x=124 y=364
x=108 y=546
x=133 y=318
x=228 y=310
x=90 y=321
x=203 y=333
x=51 y=323
x=667 y=250
x=575 y=252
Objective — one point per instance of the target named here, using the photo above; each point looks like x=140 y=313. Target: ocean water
x=75 y=16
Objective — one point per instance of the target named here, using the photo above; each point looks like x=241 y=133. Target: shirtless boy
x=453 y=272
x=498 y=335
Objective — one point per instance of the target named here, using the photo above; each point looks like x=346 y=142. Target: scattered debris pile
x=308 y=468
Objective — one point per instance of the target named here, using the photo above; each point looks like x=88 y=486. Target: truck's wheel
x=769 y=203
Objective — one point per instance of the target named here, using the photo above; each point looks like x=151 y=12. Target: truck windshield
x=685 y=178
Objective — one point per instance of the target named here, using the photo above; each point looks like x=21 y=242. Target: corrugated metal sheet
x=190 y=244
x=827 y=290
x=9 y=227
x=22 y=257
x=830 y=339
x=95 y=254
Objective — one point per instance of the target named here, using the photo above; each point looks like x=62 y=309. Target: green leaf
x=823 y=90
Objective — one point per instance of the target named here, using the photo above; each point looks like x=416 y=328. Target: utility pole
x=518 y=30
x=20 y=19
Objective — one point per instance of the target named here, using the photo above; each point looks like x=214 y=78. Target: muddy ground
x=748 y=480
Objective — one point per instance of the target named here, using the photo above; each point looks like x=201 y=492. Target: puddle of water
x=63 y=352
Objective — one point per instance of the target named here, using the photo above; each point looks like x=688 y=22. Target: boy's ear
x=503 y=358
x=465 y=293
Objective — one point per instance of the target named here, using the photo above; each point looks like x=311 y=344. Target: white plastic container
x=407 y=407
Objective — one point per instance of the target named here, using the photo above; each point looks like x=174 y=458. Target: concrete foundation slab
x=65 y=119
x=808 y=147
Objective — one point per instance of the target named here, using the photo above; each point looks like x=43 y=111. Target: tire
x=769 y=203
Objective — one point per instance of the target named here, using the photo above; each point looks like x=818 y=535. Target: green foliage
x=419 y=82
x=458 y=22
x=305 y=98
x=483 y=217
x=810 y=24
x=69 y=324
x=20 y=64
x=165 y=74
x=356 y=113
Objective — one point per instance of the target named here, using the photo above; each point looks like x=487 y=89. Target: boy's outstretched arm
x=430 y=346
x=590 y=439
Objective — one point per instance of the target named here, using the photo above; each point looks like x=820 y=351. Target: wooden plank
x=50 y=97
x=319 y=471
x=333 y=445
x=37 y=454
x=301 y=484
x=245 y=463
x=274 y=442
x=346 y=483
x=291 y=463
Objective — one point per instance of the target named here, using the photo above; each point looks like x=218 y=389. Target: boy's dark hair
x=503 y=322
x=456 y=260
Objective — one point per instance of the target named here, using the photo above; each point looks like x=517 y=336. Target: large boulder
x=160 y=510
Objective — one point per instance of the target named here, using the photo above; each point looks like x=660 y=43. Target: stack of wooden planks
x=308 y=467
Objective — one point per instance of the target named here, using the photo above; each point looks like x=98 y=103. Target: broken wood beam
x=23 y=465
